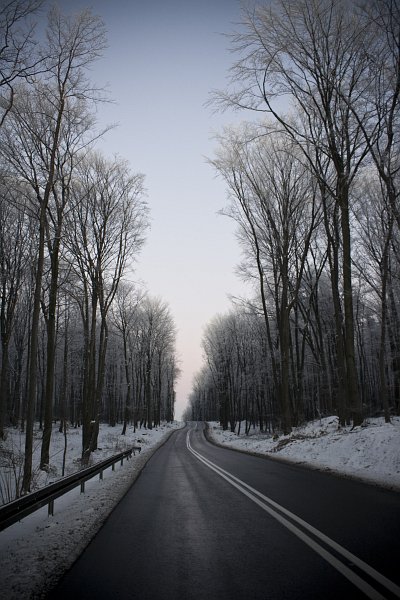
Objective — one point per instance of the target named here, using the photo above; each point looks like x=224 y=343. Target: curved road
x=204 y=523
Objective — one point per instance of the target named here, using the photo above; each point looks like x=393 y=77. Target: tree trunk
x=89 y=395
x=50 y=358
x=382 y=346
x=33 y=355
x=4 y=385
x=127 y=409
x=394 y=340
x=331 y=228
x=99 y=383
x=284 y=352
x=148 y=398
x=31 y=392
x=353 y=395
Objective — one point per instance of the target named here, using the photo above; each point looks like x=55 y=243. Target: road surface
x=204 y=523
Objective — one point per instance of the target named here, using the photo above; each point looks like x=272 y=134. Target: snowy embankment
x=370 y=452
x=36 y=551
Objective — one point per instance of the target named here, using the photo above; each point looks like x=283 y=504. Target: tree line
x=313 y=185
x=79 y=343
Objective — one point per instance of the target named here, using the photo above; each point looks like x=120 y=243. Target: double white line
x=290 y=521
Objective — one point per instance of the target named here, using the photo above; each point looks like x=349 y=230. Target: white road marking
x=272 y=507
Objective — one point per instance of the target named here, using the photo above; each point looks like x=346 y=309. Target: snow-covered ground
x=370 y=452
x=35 y=552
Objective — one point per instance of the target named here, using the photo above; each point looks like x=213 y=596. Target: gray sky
x=163 y=59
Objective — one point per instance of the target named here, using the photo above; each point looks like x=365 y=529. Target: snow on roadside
x=37 y=550
x=370 y=452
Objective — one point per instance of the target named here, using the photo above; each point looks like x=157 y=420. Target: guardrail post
x=82 y=487
x=101 y=475
x=113 y=467
x=50 y=508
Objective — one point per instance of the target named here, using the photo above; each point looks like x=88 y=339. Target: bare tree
x=376 y=223
x=376 y=107
x=33 y=134
x=231 y=386
x=105 y=232
x=13 y=255
x=126 y=317
x=274 y=202
x=19 y=59
x=311 y=54
x=157 y=340
x=77 y=135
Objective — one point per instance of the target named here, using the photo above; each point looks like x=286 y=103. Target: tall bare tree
x=13 y=256
x=126 y=317
x=78 y=134
x=374 y=257
x=157 y=339
x=274 y=201
x=105 y=232
x=34 y=131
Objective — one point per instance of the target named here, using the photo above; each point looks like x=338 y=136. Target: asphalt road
x=205 y=523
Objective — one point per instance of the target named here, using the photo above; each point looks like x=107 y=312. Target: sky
x=163 y=60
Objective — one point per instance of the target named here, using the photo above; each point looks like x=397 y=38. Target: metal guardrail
x=18 y=509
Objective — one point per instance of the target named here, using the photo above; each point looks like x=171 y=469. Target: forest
x=312 y=180
x=80 y=343
x=313 y=186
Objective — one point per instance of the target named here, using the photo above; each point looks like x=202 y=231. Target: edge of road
x=50 y=579
x=140 y=464
x=304 y=465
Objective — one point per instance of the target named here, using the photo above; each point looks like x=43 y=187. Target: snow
x=370 y=452
x=36 y=551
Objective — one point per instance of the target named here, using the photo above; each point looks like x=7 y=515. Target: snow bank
x=370 y=452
